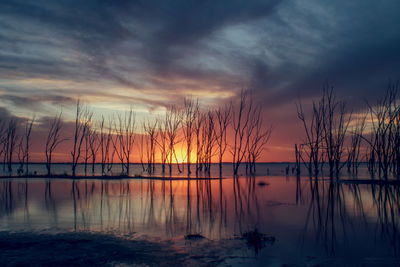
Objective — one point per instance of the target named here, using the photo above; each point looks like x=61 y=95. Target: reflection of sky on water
x=306 y=217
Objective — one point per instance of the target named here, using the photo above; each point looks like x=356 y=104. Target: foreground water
x=308 y=221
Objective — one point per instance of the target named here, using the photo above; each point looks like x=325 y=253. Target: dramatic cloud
x=114 y=54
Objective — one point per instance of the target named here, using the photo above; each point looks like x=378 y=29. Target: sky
x=114 y=55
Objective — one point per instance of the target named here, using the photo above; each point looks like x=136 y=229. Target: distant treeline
x=235 y=127
x=336 y=136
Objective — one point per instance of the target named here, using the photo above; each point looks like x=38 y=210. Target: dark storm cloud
x=356 y=52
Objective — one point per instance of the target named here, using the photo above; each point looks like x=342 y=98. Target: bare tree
x=353 y=151
x=23 y=147
x=384 y=117
x=258 y=136
x=223 y=119
x=198 y=126
x=82 y=121
x=335 y=124
x=150 y=128
x=94 y=146
x=208 y=140
x=125 y=138
x=172 y=124
x=53 y=140
x=190 y=112
x=240 y=122
x=105 y=141
x=162 y=142
x=310 y=151
x=10 y=142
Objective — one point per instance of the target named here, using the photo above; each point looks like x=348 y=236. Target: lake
x=304 y=221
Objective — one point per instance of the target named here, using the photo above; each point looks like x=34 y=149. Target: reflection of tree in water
x=386 y=200
x=50 y=202
x=6 y=195
x=329 y=221
x=247 y=210
x=327 y=216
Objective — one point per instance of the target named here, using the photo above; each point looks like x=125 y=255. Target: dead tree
x=125 y=138
x=142 y=140
x=258 y=136
x=162 y=142
x=105 y=142
x=383 y=140
x=310 y=151
x=335 y=124
x=208 y=141
x=354 y=149
x=23 y=147
x=199 y=144
x=10 y=143
x=94 y=146
x=173 y=122
x=190 y=112
x=151 y=131
x=82 y=121
x=52 y=141
x=223 y=118
x=240 y=122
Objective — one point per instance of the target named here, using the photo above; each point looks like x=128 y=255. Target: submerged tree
x=162 y=142
x=53 y=140
x=9 y=143
x=83 y=119
x=336 y=120
x=258 y=136
x=240 y=122
x=92 y=139
x=24 y=146
x=208 y=141
x=173 y=121
x=190 y=113
x=125 y=138
x=151 y=140
x=354 y=149
x=310 y=151
x=223 y=118
x=385 y=134
x=105 y=142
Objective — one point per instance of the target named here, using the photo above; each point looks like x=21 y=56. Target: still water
x=308 y=218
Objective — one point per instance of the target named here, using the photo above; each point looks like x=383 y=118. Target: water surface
x=313 y=221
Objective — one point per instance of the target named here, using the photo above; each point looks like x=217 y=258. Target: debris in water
x=194 y=237
x=257 y=240
x=262 y=183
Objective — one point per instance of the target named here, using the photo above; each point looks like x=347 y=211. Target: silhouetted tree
x=173 y=121
x=82 y=121
x=190 y=113
x=335 y=124
x=151 y=131
x=240 y=122
x=10 y=143
x=223 y=118
x=105 y=141
x=310 y=151
x=53 y=140
x=125 y=139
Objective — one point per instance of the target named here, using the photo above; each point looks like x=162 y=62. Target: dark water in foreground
x=312 y=221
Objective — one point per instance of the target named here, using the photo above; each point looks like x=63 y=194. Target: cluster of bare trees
x=15 y=143
x=338 y=138
x=181 y=134
x=204 y=134
x=383 y=138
